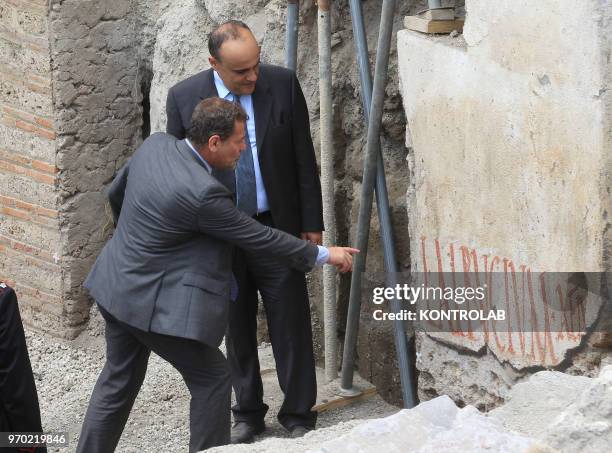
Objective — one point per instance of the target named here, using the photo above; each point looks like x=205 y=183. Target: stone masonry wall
x=70 y=116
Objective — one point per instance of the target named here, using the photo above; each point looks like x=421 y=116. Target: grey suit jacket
x=167 y=268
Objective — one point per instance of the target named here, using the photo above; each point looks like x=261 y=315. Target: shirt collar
x=222 y=90
x=206 y=164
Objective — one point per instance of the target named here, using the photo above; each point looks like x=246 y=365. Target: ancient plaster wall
x=97 y=106
x=509 y=168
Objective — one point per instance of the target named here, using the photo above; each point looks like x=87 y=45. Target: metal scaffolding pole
x=382 y=204
x=291 y=37
x=327 y=182
x=373 y=169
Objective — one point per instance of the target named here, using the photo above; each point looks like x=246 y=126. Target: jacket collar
x=186 y=150
x=208 y=89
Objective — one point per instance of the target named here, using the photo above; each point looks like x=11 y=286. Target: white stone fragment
x=586 y=425
x=433 y=426
x=531 y=406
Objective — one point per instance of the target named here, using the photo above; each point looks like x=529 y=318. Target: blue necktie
x=246 y=189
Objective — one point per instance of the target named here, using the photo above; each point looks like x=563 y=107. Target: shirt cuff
x=323 y=256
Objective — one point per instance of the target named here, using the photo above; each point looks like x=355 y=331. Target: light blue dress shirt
x=323 y=255
x=246 y=100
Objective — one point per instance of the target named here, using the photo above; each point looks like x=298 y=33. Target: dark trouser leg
x=241 y=343
x=286 y=302
x=285 y=299
x=207 y=377
x=203 y=368
x=115 y=391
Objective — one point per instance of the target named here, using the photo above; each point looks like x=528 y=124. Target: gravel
x=66 y=371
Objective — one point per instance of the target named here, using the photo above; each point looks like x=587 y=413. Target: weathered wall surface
x=181 y=50
x=509 y=171
x=70 y=116
x=98 y=115
x=81 y=80
x=29 y=227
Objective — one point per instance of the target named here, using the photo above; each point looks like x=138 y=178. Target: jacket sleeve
x=174 y=125
x=116 y=192
x=219 y=218
x=309 y=185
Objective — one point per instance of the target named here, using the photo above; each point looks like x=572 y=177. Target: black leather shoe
x=244 y=432
x=299 y=431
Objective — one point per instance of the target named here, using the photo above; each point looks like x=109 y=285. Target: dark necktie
x=246 y=189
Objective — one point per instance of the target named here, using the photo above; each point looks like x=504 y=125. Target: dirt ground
x=66 y=371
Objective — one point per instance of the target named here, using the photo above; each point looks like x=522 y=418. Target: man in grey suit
x=163 y=281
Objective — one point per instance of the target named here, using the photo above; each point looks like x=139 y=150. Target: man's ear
x=213 y=142
x=213 y=62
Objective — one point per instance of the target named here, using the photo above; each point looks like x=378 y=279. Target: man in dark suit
x=277 y=183
x=19 y=410
x=163 y=280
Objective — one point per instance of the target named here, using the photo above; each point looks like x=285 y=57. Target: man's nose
x=252 y=76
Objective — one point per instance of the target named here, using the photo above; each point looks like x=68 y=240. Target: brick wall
x=70 y=115
x=29 y=220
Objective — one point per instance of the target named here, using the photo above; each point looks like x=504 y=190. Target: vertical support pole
x=291 y=37
x=327 y=182
x=382 y=204
x=367 y=192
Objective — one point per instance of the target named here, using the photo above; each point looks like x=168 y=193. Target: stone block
x=468 y=378
x=19 y=141
x=27 y=231
x=21 y=186
x=31 y=23
x=16 y=94
x=7 y=15
x=436 y=425
x=585 y=424
x=25 y=56
x=532 y=405
x=34 y=272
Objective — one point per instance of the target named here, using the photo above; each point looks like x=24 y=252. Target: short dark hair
x=214 y=116
x=224 y=32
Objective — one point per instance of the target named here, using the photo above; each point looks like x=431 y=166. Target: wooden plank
x=433 y=26
x=437 y=14
x=341 y=401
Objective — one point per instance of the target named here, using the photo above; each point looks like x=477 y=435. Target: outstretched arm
x=220 y=218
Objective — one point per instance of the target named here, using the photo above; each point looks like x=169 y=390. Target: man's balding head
x=234 y=54
x=227 y=31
